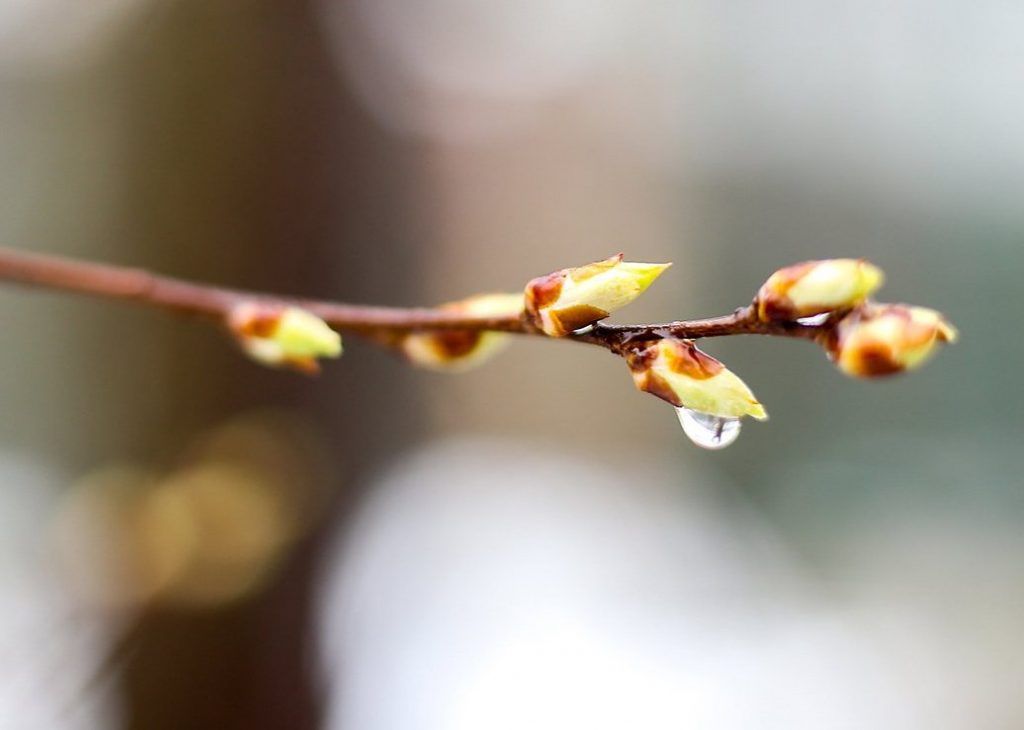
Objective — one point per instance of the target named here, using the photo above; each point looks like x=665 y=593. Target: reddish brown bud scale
x=875 y=361
x=452 y=344
x=684 y=358
x=544 y=290
x=577 y=317
x=261 y=321
x=787 y=276
x=773 y=299
x=653 y=383
x=306 y=366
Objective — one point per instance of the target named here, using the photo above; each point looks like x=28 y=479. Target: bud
x=884 y=339
x=570 y=299
x=816 y=287
x=459 y=350
x=676 y=371
x=283 y=336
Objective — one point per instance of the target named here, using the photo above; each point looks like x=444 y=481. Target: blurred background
x=189 y=541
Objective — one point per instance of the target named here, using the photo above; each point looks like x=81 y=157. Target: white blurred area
x=47 y=36
x=877 y=98
x=455 y=69
x=52 y=649
x=490 y=584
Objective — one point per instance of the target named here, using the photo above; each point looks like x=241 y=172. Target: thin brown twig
x=213 y=302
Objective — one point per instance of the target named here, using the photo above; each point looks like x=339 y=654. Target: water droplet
x=707 y=431
x=814 y=320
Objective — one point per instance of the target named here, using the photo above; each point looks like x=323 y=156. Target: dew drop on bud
x=708 y=431
x=815 y=319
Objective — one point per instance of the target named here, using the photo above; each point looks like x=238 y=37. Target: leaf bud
x=288 y=337
x=460 y=350
x=817 y=287
x=677 y=372
x=884 y=339
x=570 y=299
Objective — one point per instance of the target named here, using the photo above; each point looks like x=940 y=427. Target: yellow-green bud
x=676 y=371
x=884 y=339
x=569 y=299
x=817 y=287
x=287 y=337
x=459 y=350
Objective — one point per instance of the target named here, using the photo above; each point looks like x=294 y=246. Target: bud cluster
x=866 y=339
x=826 y=301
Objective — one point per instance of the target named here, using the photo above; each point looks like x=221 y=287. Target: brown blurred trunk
x=247 y=163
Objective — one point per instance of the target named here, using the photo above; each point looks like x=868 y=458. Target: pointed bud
x=885 y=339
x=283 y=336
x=459 y=350
x=570 y=299
x=816 y=287
x=676 y=371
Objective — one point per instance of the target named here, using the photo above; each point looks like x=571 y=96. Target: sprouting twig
x=214 y=302
x=826 y=301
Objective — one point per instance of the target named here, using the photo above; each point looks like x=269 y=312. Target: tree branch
x=212 y=302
